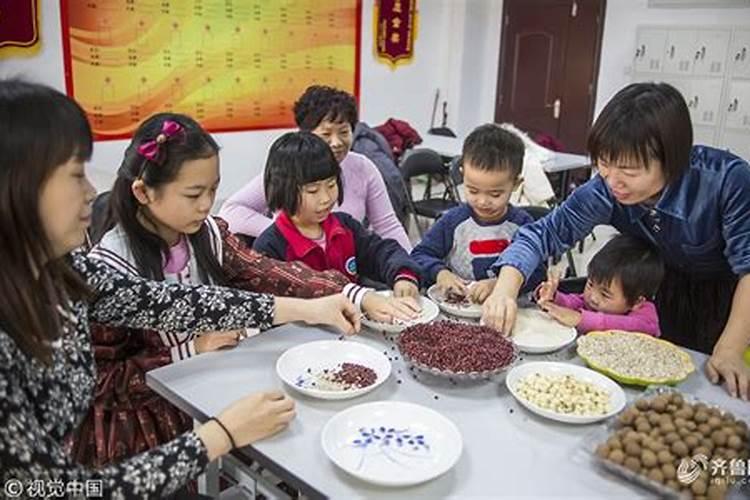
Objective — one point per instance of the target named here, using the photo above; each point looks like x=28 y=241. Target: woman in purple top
x=332 y=115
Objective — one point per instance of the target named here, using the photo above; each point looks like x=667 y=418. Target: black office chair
x=426 y=162
x=99 y=210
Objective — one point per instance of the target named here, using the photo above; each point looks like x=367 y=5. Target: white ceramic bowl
x=392 y=443
x=430 y=312
x=535 y=332
x=292 y=366
x=473 y=311
x=616 y=394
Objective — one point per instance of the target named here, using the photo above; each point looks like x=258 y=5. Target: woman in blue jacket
x=691 y=202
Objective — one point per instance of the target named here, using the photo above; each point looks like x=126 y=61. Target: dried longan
x=665 y=457
x=701 y=417
x=643 y=427
x=617 y=456
x=642 y=404
x=734 y=442
x=699 y=487
x=633 y=449
x=679 y=448
x=602 y=450
x=704 y=429
x=633 y=464
x=654 y=418
x=719 y=437
x=692 y=441
x=678 y=399
x=614 y=443
x=656 y=475
x=648 y=458
x=701 y=450
x=669 y=471
x=671 y=438
x=714 y=422
x=660 y=403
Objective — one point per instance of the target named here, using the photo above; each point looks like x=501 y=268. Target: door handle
x=556 y=109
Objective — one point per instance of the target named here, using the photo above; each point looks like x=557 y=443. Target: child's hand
x=405 y=288
x=563 y=315
x=208 y=342
x=386 y=309
x=546 y=291
x=334 y=310
x=480 y=290
x=449 y=282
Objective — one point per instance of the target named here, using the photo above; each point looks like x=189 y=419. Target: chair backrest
x=98 y=217
x=422 y=162
x=535 y=212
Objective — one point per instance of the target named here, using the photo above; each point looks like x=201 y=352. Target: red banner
x=19 y=26
x=395 y=30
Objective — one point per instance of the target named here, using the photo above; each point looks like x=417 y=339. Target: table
x=507 y=450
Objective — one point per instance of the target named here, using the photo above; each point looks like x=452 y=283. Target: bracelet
x=229 y=435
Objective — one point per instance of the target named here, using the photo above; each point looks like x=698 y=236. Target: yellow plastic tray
x=638 y=381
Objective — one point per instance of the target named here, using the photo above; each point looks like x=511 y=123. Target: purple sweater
x=642 y=319
x=365 y=195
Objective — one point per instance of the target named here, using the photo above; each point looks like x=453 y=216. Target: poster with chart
x=231 y=64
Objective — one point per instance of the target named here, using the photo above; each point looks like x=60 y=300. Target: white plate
x=430 y=311
x=414 y=444
x=617 y=397
x=471 y=311
x=535 y=332
x=292 y=366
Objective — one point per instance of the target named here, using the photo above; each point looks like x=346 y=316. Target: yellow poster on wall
x=231 y=64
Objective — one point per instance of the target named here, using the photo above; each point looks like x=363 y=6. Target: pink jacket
x=643 y=319
x=365 y=195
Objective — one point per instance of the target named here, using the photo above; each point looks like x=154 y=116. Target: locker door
x=739 y=54
x=711 y=52
x=679 y=53
x=738 y=107
x=649 y=50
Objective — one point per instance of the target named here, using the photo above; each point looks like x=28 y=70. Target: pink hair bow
x=150 y=149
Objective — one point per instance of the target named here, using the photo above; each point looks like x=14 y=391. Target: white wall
x=618 y=44
x=406 y=92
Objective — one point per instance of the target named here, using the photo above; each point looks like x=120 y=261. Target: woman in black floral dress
x=49 y=293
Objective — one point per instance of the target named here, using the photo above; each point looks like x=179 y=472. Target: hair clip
x=151 y=149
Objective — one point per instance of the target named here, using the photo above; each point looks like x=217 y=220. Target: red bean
x=354 y=375
x=456 y=347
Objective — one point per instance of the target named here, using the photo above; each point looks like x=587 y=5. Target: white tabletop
x=508 y=451
x=558 y=162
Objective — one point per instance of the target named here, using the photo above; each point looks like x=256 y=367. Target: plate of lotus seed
x=635 y=358
x=564 y=392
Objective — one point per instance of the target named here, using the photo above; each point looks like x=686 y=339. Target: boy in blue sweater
x=464 y=243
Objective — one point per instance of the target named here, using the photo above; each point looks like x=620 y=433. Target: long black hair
x=148 y=248
x=40 y=130
x=296 y=159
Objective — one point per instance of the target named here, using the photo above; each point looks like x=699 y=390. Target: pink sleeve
x=569 y=300
x=643 y=319
x=379 y=209
x=245 y=210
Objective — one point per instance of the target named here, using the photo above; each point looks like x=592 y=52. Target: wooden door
x=549 y=60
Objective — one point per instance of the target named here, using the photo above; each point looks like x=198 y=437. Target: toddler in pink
x=622 y=279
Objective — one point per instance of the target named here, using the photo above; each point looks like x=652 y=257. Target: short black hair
x=296 y=159
x=644 y=121
x=491 y=147
x=320 y=102
x=635 y=262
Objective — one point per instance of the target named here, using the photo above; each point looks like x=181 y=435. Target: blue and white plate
x=392 y=443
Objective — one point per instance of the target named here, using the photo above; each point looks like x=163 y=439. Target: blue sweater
x=700 y=225
x=460 y=242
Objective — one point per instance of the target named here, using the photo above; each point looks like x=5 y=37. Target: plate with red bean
x=457 y=350
x=333 y=369
x=392 y=443
x=536 y=333
x=455 y=305
x=430 y=311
